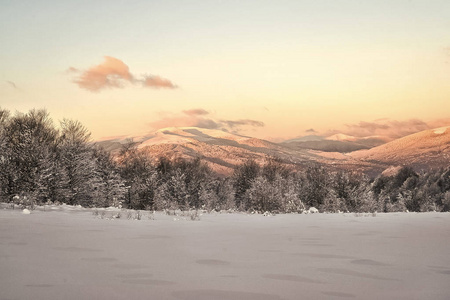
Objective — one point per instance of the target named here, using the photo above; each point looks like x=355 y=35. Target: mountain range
x=222 y=151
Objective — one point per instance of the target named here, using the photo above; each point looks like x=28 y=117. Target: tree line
x=43 y=163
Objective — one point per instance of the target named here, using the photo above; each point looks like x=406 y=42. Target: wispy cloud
x=238 y=123
x=12 y=84
x=196 y=112
x=311 y=130
x=114 y=73
x=202 y=118
x=154 y=81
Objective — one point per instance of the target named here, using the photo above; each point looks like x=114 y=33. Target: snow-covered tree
x=243 y=177
x=264 y=195
x=173 y=194
x=110 y=187
x=317 y=185
x=291 y=197
x=224 y=191
x=140 y=176
x=76 y=155
x=5 y=156
x=31 y=140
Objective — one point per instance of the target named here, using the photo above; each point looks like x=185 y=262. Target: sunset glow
x=273 y=70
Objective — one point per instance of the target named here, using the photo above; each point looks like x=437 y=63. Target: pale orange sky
x=265 y=69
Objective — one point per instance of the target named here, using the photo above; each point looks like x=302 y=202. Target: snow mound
x=313 y=210
x=441 y=130
x=26 y=212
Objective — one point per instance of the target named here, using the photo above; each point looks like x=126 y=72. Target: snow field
x=68 y=252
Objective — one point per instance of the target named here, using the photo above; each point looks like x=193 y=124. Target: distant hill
x=425 y=149
x=222 y=151
x=336 y=143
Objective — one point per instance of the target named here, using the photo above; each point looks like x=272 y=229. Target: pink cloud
x=114 y=73
x=198 y=118
x=157 y=82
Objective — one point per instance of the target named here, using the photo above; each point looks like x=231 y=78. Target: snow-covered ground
x=68 y=253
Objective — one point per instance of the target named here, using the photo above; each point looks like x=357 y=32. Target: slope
x=425 y=149
x=221 y=150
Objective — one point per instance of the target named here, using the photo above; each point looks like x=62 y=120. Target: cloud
x=196 y=112
x=12 y=84
x=392 y=129
x=157 y=82
x=114 y=73
x=207 y=123
x=246 y=122
x=311 y=130
x=72 y=70
x=183 y=120
x=198 y=118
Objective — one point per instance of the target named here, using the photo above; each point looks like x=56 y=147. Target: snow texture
x=68 y=252
x=441 y=130
x=313 y=210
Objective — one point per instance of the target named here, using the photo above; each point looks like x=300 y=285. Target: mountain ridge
x=224 y=150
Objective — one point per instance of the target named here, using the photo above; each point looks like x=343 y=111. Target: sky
x=269 y=69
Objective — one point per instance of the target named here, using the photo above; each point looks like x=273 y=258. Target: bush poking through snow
x=195 y=216
x=374 y=214
x=268 y=214
x=129 y=215
x=138 y=215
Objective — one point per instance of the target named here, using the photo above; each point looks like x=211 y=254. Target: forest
x=41 y=163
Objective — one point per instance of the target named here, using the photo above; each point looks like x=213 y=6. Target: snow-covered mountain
x=223 y=150
x=425 y=149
